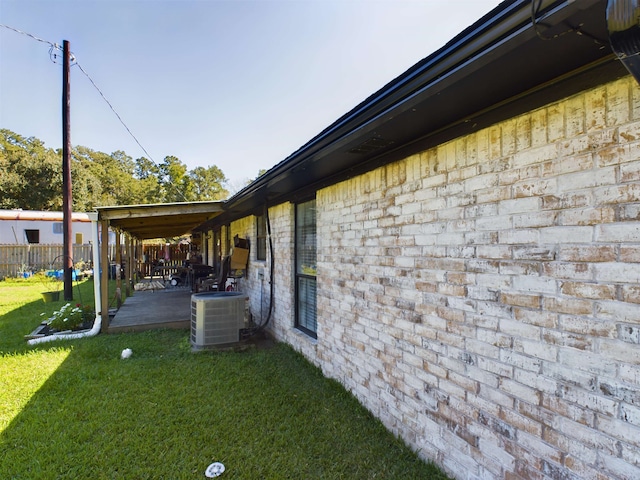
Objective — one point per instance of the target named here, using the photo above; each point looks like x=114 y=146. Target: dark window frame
x=261 y=237
x=217 y=249
x=306 y=313
x=32 y=236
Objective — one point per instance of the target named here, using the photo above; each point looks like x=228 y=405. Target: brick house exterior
x=481 y=296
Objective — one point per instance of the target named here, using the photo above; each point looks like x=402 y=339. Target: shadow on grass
x=75 y=409
x=22 y=321
x=168 y=413
x=22 y=310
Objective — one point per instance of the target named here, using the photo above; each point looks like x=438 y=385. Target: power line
x=124 y=124
x=114 y=111
x=53 y=47
x=30 y=35
x=54 y=56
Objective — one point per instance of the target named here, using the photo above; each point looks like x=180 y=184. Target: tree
x=145 y=168
x=32 y=174
x=208 y=183
x=148 y=175
x=114 y=175
x=31 y=178
x=176 y=185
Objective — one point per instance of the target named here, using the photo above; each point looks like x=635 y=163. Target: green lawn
x=74 y=409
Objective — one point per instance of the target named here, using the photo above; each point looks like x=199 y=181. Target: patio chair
x=216 y=284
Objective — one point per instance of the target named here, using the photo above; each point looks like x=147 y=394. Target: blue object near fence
x=59 y=274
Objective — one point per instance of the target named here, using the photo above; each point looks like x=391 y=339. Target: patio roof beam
x=160 y=220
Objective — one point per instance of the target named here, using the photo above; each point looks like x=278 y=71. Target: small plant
x=69 y=318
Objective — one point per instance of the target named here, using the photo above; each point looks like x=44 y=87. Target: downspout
x=97 y=323
x=623 y=23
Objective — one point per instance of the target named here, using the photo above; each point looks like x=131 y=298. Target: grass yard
x=74 y=409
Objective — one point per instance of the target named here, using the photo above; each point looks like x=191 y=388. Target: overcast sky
x=239 y=84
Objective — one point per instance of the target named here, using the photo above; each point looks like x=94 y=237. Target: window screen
x=306 y=238
x=306 y=253
x=307 y=319
x=261 y=237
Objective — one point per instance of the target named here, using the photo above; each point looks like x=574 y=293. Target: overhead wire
x=28 y=35
x=54 y=58
x=114 y=110
x=124 y=124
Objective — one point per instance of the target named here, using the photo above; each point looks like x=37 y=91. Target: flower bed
x=67 y=319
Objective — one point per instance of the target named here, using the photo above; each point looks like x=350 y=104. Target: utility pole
x=67 y=198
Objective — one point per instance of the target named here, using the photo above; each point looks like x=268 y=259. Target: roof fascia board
x=158 y=210
x=494 y=31
x=465 y=63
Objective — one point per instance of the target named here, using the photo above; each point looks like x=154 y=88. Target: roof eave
x=164 y=220
x=499 y=66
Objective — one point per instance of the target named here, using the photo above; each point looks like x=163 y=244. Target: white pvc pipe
x=70 y=336
x=97 y=323
x=97 y=278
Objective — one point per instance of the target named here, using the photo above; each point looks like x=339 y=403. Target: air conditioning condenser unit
x=217 y=318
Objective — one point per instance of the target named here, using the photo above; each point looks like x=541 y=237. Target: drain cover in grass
x=214 y=470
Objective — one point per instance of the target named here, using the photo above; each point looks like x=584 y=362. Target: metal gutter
x=404 y=84
x=495 y=37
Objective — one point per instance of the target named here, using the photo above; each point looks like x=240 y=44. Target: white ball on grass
x=126 y=353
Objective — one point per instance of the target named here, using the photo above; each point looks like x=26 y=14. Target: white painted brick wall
x=482 y=298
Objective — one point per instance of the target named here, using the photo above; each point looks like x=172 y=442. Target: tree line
x=31 y=178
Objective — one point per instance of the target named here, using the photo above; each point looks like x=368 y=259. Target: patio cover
x=159 y=220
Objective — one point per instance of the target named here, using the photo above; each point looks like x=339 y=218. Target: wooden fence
x=167 y=255
x=17 y=259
